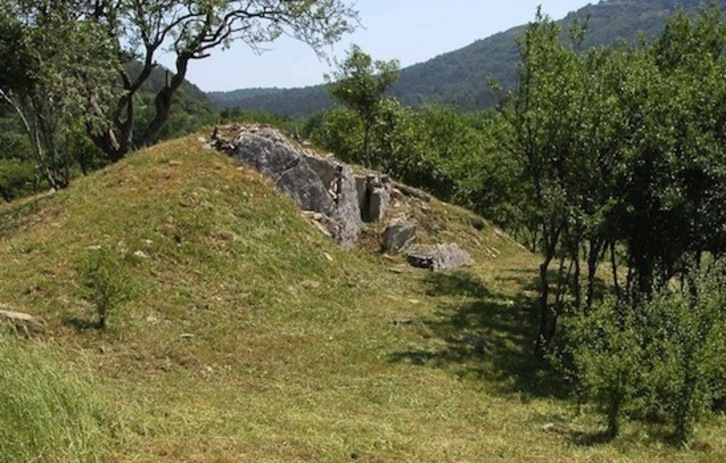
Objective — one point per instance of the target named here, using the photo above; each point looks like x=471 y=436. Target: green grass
x=248 y=336
x=49 y=411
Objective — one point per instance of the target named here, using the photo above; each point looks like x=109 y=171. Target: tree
x=360 y=83
x=550 y=118
x=55 y=62
x=191 y=30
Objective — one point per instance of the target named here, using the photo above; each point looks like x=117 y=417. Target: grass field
x=244 y=335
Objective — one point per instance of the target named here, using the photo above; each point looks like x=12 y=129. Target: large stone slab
x=397 y=236
x=317 y=184
x=438 y=257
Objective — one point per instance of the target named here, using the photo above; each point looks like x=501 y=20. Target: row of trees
x=622 y=156
x=622 y=146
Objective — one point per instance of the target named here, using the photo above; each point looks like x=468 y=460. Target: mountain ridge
x=459 y=77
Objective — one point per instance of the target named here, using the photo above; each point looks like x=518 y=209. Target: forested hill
x=460 y=77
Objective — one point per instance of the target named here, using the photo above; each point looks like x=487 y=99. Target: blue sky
x=411 y=31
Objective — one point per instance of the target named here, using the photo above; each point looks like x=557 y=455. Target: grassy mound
x=236 y=331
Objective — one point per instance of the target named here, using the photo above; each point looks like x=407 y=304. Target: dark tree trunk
x=597 y=252
x=367 y=144
x=164 y=99
x=540 y=347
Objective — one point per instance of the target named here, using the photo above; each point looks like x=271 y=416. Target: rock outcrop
x=374 y=196
x=317 y=184
x=333 y=198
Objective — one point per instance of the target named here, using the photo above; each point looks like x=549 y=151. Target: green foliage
x=57 y=63
x=659 y=356
x=618 y=146
x=359 y=84
x=340 y=131
x=293 y=102
x=103 y=284
x=607 y=355
x=455 y=156
x=143 y=30
x=49 y=411
x=17 y=178
x=285 y=123
x=190 y=112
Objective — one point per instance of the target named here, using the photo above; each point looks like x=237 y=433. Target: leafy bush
x=49 y=411
x=663 y=356
x=103 y=284
x=607 y=355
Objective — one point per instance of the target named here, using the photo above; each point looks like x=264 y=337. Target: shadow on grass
x=486 y=335
x=82 y=324
x=590 y=439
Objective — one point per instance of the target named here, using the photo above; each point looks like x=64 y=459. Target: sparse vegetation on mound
x=247 y=335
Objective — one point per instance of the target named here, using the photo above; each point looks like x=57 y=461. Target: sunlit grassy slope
x=246 y=336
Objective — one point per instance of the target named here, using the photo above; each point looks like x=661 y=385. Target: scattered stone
x=398 y=236
x=141 y=255
x=374 y=196
x=378 y=204
x=20 y=321
x=404 y=321
x=186 y=336
x=322 y=222
x=413 y=192
x=438 y=257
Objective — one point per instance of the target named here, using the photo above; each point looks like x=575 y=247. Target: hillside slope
x=460 y=77
x=246 y=335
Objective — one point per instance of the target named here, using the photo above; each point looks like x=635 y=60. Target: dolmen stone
x=438 y=257
x=397 y=236
x=316 y=183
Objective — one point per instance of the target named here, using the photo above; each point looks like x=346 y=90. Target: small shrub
x=606 y=348
x=687 y=350
x=103 y=285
